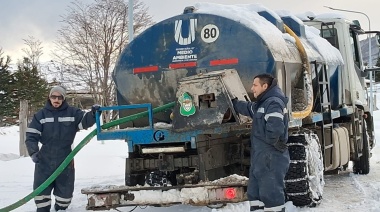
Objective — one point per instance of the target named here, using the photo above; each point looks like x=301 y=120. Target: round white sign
x=210 y=33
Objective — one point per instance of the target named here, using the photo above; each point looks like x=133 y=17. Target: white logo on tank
x=178 y=32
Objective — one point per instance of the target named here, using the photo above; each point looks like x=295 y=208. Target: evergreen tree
x=7 y=103
x=30 y=86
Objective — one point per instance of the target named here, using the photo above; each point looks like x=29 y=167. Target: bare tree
x=92 y=38
x=31 y=63
x=33 y=51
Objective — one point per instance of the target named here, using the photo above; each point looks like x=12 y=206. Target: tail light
x=230 y=193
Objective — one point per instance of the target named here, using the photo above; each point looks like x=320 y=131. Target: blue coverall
x=55 y=129
x=269 y=160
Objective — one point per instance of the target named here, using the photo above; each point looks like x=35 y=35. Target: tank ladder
x=323 y=97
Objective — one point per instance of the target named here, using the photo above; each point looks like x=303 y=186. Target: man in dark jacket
x=55 y=127
x=269 y=153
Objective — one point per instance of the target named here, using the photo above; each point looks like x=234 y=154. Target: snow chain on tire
x=304 y=181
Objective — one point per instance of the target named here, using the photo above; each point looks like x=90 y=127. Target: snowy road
x=350 y=192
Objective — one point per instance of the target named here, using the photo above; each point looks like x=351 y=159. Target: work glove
x=95 y=108
x=280 y=146
x=35 y=157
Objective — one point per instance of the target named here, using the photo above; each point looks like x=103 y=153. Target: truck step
x=329 y=146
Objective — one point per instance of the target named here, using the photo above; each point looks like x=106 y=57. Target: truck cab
x=344 y=35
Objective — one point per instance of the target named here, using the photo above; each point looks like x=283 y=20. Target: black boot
x=256 y=205
x=44 y=209
x=256 y=208
x=59 y=208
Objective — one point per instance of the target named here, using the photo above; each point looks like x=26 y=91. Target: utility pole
x=130 y=22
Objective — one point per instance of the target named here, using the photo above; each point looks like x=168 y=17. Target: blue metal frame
x=124 y=107
x=150 y=135
x=334 y=114
x=346 y=111
x=140 y=135
x=324 y=116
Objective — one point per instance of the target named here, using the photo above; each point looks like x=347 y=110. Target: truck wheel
x=362 y=166
x=304 y=181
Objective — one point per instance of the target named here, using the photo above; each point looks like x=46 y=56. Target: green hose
x=76 y=150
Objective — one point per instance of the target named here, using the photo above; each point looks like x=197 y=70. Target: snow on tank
x=250 y=38
x=247 y=14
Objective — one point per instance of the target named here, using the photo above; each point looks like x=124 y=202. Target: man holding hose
x=55 y=127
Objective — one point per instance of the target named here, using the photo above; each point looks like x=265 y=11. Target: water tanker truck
x=197 y=150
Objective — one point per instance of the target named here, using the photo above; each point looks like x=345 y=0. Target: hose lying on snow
x=76 y=150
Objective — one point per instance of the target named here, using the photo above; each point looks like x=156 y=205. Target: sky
x=41 y=18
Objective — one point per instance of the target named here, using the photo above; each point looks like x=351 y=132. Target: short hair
x=265 y=79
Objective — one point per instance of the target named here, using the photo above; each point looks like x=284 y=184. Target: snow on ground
x=102 y=163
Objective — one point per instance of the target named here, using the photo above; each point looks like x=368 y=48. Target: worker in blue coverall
x=55 y=127
x=269 y=153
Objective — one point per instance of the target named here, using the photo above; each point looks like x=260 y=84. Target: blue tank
x=210 y=37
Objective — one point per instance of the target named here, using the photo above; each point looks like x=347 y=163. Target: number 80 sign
x=210 y=33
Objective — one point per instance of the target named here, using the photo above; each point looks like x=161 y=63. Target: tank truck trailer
x=198 y=152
